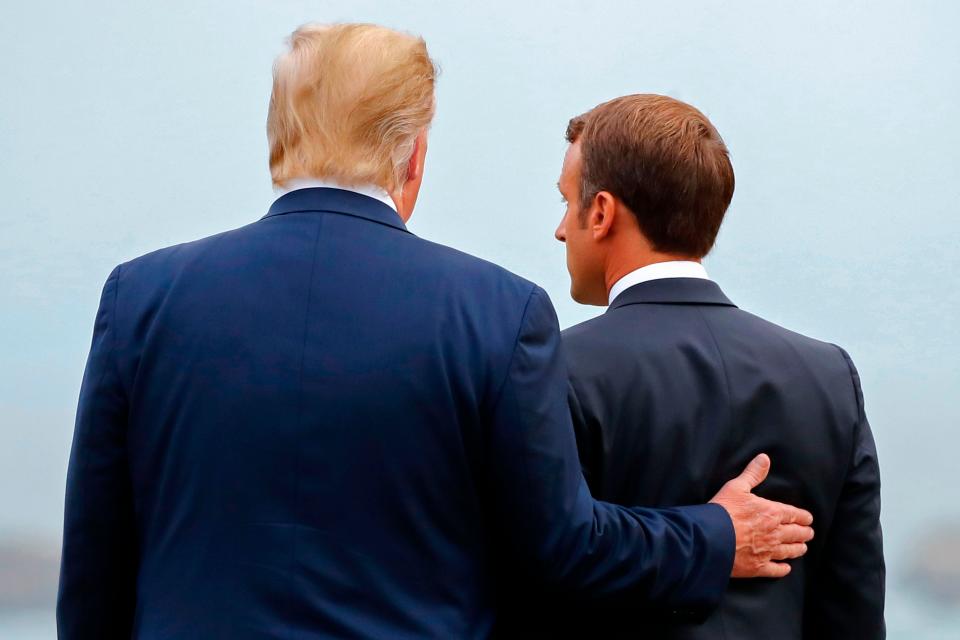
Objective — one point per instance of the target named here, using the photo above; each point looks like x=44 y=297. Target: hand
x=767 y=532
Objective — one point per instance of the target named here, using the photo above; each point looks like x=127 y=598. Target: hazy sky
x=127 y=126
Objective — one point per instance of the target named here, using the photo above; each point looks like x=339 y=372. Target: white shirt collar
x=370 y=190
x=657 y=271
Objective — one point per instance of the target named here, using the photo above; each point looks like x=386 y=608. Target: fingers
x=773 y=570
x=789 y=551
x=756 y=471
x=785 y=513
x=793 y=515
x=792 y=533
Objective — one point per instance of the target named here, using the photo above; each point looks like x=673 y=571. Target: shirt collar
x=369 y=190
x=658 y=271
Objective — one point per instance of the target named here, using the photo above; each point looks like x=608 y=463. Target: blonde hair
x=347 y=104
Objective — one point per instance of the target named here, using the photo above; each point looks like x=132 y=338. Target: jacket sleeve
x=98 y=567
x=674 y=558
x=847 y=599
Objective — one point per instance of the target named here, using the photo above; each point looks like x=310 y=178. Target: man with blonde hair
x=320 y=425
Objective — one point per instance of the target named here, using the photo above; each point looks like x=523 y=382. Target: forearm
x=676 y=558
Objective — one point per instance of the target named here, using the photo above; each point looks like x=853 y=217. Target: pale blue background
x=126 y=126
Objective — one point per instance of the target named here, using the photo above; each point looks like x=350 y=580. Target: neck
x=403 y=208
x=620 y=265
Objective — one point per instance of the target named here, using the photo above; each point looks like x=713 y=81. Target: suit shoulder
x=605 y=334
x=468 y=262
x=467 y=269
x=826 y=360
x=796 y=340
x=592 y=348
x=168 y=258
x=592 y=335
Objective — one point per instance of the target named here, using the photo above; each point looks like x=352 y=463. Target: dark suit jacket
x=673 y=391
x=319 y=425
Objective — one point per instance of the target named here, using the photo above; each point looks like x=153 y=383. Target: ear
x=603 y=212
x=405 y=195
x=415 y=165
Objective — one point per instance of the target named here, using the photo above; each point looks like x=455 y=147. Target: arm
x=847 y=597
x=98 y=567
x=678 y=557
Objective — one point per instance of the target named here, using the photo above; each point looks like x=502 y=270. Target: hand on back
x=767 y=532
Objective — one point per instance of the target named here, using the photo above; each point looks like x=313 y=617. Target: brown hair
x=348 y=102
x=665 y=161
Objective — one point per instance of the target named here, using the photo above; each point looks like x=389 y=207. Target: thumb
x=756 y=472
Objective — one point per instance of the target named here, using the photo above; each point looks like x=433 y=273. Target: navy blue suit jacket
x=320 y=425
x=673 y=390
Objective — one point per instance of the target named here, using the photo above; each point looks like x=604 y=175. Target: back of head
x=348 y=102
x=665 y=161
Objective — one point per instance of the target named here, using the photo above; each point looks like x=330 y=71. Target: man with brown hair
x=674 y=387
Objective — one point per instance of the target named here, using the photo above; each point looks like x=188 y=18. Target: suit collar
x=332 y=200
x=673 y=291
x=656 y=271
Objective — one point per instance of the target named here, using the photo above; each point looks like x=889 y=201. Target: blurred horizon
x=135 y=126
